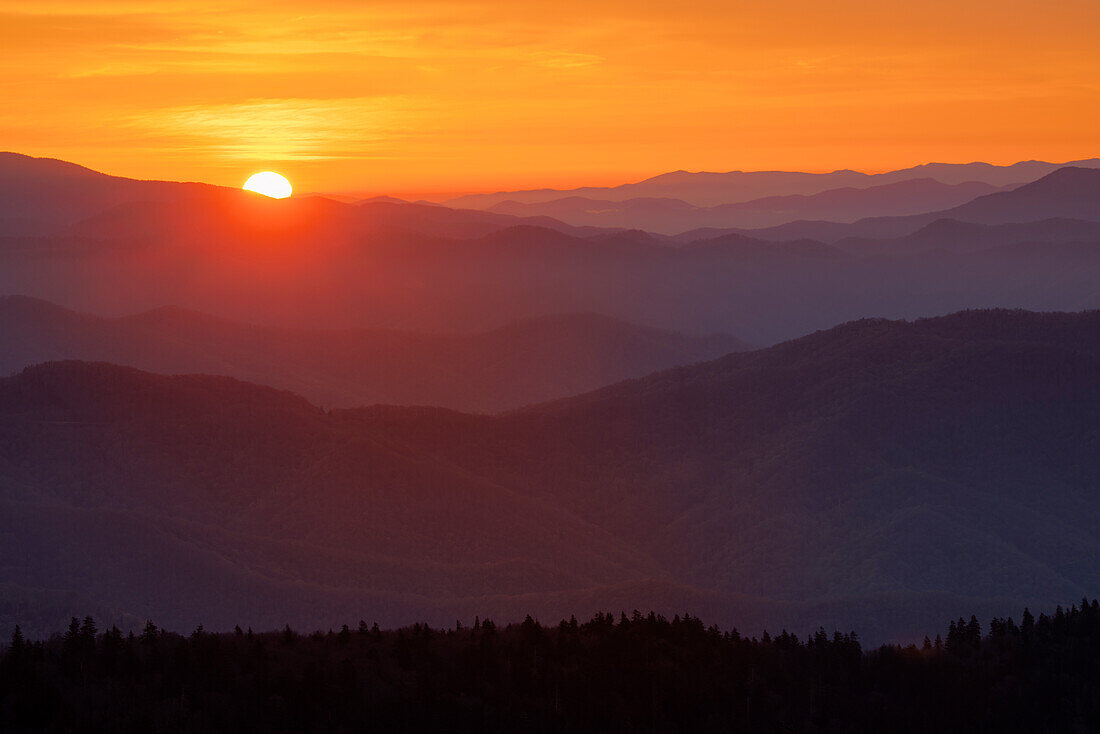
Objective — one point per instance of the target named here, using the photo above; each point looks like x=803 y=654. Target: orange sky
x=449 y=95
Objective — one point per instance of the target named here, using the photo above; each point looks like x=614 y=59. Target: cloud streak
x=281 y=129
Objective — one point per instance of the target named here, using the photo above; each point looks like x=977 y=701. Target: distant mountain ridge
x=711 y=189
x=305 y=262
x=525 y=362
x=1067 y=193
x=955 y=236
x=38 y=194
x=44 y=196
x=673 y=216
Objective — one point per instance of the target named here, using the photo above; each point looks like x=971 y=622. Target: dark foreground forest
x=638 y=673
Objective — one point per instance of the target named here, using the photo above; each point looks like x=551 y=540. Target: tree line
x=613 y=673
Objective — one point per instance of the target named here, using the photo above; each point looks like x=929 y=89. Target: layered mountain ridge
x=525 y=362
x=705 y=188
x=879 y=472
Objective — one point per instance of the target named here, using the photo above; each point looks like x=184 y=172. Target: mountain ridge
x=778 y=183
x=674 y=216
x=526 y=361
x=1066 y=193
x=47 y=196
x=879 y=471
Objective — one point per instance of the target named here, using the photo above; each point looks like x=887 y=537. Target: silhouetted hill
x=443 y=221
x=237 y=216
x=956 y=173
x=1067 y=193
x=264 y=267
x=706 y=188
x=672 y=216
x=955 y=236
x=526 y=362
x=877 y=475
x=315 y=263
x=41 y=196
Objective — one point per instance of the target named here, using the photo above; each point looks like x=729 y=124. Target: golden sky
x=465 y=95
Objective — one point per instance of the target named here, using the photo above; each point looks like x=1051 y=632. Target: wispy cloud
x=282 y=129
x=565 y=59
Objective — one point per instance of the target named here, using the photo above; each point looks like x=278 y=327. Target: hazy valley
x=419 y=267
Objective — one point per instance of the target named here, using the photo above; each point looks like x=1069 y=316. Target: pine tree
x=18 y=642
x=149 y=633
x=974 y=632
x=1027 y=625
x=71 y=638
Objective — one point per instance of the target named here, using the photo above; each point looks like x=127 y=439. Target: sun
x=270 y=184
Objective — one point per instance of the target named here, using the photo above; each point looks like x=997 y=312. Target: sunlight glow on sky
x=461 y=95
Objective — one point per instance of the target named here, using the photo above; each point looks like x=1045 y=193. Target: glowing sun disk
x=270 y=184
